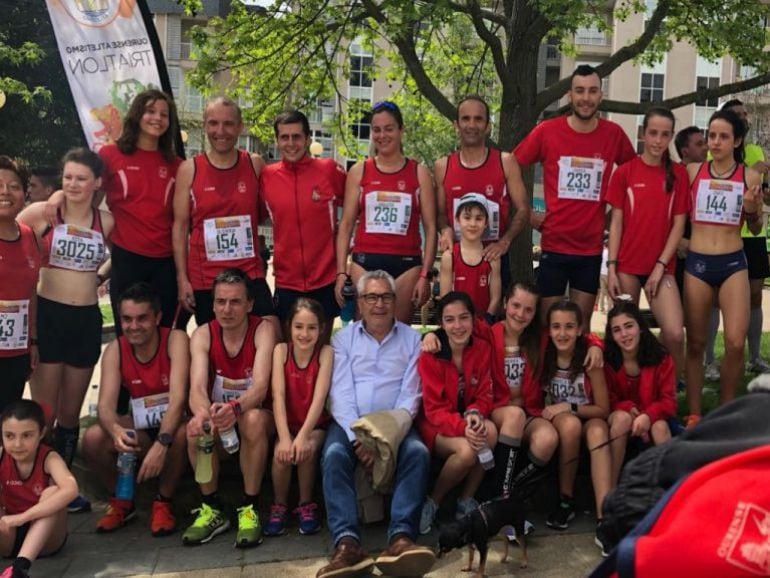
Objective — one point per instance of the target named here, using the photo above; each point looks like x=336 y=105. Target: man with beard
x=478 y=168
x=578 y=153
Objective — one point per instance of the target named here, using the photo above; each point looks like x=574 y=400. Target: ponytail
x=670 y=176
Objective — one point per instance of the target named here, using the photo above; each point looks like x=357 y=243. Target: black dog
x=476 y=528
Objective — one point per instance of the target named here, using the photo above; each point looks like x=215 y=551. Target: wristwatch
x=165 y=439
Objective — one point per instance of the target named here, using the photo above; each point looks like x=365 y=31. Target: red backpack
x=714 y=522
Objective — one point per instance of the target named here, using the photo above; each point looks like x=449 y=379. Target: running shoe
x=757 y=365
x=79 y=506
x=601 y=540
x=119 y=513
x=465 y=507
x=209 y=523
x=560 y=518
x=162 y=520
x=711 y=372
x=428 y=515
x=249 y=528
x=276 y=523
x=309 y=520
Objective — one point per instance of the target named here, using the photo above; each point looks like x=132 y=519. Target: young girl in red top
x=649 y=199
x=456 y=405
x=577 y=405
x=35 y=488
x=302 y=371
x=641 y=379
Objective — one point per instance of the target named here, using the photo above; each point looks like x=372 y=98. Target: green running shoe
x=249 y=528
x=209 y=523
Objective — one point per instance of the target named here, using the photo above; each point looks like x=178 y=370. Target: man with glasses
x=375 y=369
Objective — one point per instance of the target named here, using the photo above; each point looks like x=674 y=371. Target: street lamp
x=184 y=135
x=316 y=148
x=2 y=99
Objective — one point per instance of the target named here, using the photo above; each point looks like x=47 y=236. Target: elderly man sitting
x=375 y=369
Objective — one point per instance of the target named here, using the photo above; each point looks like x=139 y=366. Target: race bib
x=564 y=390
x=14 y=324
x=718 y=201
x=492 y=232
x=228 y=238
x=514 y=372
x=388 y=212
x=580 y=178
x=148 y=411
x=76 y=248
x=226 y=389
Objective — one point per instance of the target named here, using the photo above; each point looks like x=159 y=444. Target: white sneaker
x=757 y=365
x=510 y=531
x=465 y=506
x=711 y=372
x=428 y=514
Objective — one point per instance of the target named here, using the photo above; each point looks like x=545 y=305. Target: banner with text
x=109 y=56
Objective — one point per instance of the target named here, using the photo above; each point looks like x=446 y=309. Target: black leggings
x=15 y=371
x=129 y=268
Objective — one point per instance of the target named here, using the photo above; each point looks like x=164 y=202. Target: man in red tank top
x=153 y=364
x=216 y=213
x=478 y=168
x=302 y=195
x=229 y=383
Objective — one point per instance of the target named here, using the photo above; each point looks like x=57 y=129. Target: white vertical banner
x=108 y=58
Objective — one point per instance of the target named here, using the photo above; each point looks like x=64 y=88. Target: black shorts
x=129 y=268
x=15 y=371
x=285 y=298
x=263 y=302
x=558 y=271
x=755 y=249
x=715 y=269
x=70 y=334
x=395 y=265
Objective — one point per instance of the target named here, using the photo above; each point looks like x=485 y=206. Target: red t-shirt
x=472 y=279
x=300 y=387
x=574 y=193
x=488 y=179
x=19 y=267
x=150 y=378
x=639 y=190
x=140 y=195
x=389 y=211
x=302 y=199
x=223 y=221
x=18 y=495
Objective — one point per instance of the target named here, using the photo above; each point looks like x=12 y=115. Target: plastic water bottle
x=486 y=458
x=204 y=449
x=124 y=490
x=93 y=401
x=349 y=309
x=230 y=440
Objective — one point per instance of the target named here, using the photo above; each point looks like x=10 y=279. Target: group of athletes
x=182 y=240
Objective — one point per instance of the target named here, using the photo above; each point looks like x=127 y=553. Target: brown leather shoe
x=349 y=561
x=405 y=558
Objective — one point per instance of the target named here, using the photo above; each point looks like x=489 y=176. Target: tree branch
x=495 y=17
x=558 y=89
x=492 y=41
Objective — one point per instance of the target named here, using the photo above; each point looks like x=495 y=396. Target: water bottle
x=93 y=403
x=349 y=309
x=486 y=458
x=124 y=490
x=230 y=440
x=205 y=447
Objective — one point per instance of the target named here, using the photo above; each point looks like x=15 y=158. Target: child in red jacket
x=641 y=379
x=456 y=403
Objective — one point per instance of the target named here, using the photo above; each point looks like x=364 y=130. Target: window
x=326 y=141
x=639 y=134
x=652 y=87
x=591 y=36
x=249 y=143
x=322 y=112
x=361 y=62
x=708 y=75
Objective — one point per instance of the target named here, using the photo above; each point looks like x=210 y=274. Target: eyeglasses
x=372 y=298
x=386 y=104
